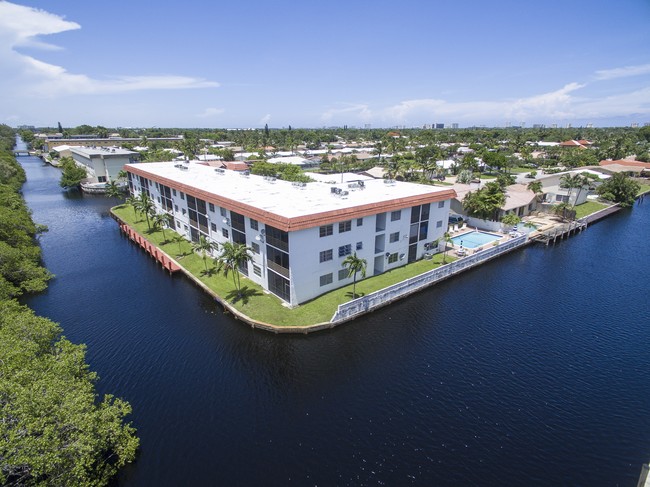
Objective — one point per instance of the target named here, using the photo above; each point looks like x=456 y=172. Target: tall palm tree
x=355 y=265
x=133 y=201
x=204 y=247
x=232 y=257
x=161 y=220
x=570 y=182
x=582 y=180
x=446 y=238
x=146 y=206
x=178 y=239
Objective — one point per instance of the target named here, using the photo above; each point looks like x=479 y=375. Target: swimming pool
x=474 y=239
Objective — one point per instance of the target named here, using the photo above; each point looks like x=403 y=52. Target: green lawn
x=588 y=207
x=258 y=304
x=644 y=188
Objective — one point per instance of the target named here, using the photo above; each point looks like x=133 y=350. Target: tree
x=113 y=190
x=446 y=238
x=162 y=220
x=510 y=220
x=146 y=206
x=536 y=187
x=204 y=247
x=563 y=210
x=233 y=256
x=620 y=188
x=355 y=265
x=133 y=201
x=54 y=430
x=485 y=202
x=72 y=174
x=178 y=239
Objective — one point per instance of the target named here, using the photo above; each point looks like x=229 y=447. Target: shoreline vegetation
x=54 y=428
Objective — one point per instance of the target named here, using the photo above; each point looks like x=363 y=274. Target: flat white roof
x=287 y=199
x=101 y=151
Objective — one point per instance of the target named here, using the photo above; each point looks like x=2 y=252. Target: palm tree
x=355 y=265
x=448 y=240
x=570 y=182
x=204 y=247
x=582 y=180
x=536 y=187
x=145 y=205
x=162 y=220
x=133 y=201
x=178 y=239
x=113 y=190
x=232 y=257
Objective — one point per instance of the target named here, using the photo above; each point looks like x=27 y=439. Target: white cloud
x=20 y=26
x=624 y=72
x=561 y=104
x=265 y=119
x=359 y=111
x=211 y=112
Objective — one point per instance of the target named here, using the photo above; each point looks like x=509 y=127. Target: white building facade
x=299 y=233
x=102 y=164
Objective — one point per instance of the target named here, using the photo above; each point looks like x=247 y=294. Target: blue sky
x=314 y=64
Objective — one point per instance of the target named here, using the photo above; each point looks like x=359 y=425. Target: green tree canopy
x=484 y=203
x=620 y=188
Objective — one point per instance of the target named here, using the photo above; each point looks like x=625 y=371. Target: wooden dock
x=560 y=232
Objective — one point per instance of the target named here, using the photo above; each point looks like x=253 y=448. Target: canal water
x=531 y=370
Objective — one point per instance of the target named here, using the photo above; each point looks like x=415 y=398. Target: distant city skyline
x=364 y=64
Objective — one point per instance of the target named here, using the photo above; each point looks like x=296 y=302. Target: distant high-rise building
x=454 y=125
x=440 y=125
x=554 y=126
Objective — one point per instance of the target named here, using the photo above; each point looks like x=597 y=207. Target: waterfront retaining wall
x=372 y=301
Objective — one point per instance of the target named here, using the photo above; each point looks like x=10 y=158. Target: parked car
x=455 y=219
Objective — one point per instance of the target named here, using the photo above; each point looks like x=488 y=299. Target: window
x=223 y=212
x=184 y=211
x=326 y=279
x=256 y=248
x=345 y=250
x=182 y=195
x=359 y=245
x=392 y=258
x=224 y=232
x=185 y=227
x=176 y=208
x=326 y=255
x=254 y=224
x=359 y=222
x=343 y=274
x=345 y=226
x=211 y=206
x=439 y=224
x=174 y=192
x=394 y=237
x=395 y=215
x=213 y=227
x=101 y=179
x=441 y=204
x=326 y=230
x=257 y=270
x=158 y=199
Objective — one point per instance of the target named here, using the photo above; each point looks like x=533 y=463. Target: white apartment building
x=299 y=233
x=102 y=163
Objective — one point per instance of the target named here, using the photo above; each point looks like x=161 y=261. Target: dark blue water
x=532 y=370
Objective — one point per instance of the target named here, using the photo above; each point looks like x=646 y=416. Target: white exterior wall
x=98 y=166
x=305 y=245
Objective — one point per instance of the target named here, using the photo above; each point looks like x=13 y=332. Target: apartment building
x=299 y=233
